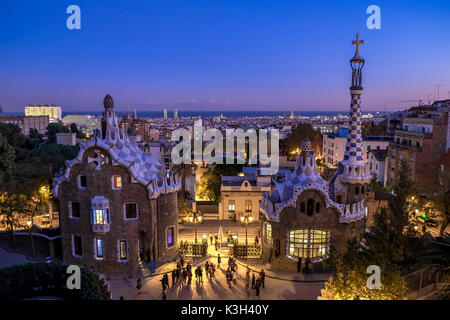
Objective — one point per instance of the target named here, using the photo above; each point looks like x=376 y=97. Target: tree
x=293 y=141
x=392 y=244
x=350 y=279
x=210 y=186
x=13 y=209
x=185 y=171
x=37 y=200
x=7 y=157
x=439 y=196
x=53 y=129
x=53 y=156
x=368 y=129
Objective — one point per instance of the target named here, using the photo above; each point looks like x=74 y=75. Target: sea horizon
x=215 y=113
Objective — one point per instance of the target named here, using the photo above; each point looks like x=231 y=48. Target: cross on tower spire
x=357 y=42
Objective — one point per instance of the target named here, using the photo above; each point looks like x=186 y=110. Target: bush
x=33 y=280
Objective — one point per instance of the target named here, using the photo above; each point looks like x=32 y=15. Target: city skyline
x=277 y=56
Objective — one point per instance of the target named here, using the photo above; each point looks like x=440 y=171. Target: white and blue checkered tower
x=354 y=170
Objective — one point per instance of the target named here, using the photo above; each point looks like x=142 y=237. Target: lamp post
x=246 y=220
x=194 y=218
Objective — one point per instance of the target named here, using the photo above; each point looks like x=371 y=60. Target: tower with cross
x=350 y=182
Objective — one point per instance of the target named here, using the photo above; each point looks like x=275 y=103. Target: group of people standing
x=256 y=283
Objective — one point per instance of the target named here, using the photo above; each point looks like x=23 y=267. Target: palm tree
x=184 y=170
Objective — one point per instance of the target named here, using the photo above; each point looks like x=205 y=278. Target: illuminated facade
x=52 y=111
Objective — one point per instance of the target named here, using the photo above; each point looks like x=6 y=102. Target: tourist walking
x=139 y=285
x=253 y=280
x=189 y=274
x=211 y=238
x=299 y=264
x=247 y=278
x=206 y=267
x=256 y=240
x=234 y=275
x=262 y=275
x=174 y=275
x=212 y=271
x=200 y=273
x=183 y=277
x=258 y=286
x=219 y=260
x=182 y=261
x=229 y=277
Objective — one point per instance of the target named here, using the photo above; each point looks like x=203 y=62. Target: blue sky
x=217 y=55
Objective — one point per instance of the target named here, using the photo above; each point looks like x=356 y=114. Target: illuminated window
x=269 y=233
x=117 y=182
x=100 y=216
x=248 y=205
x=123 y=250
x=308 y=243
x=231 y=206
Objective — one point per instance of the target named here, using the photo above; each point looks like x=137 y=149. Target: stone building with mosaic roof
x=118 y=205
x=305 y=215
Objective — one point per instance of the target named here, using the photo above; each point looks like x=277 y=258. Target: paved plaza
x=287 y=285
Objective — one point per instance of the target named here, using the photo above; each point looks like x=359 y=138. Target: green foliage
x=350 y=279
x=210 y=182
x=55 y=155
x=48 y=280
x=210 y=186
x=374 y=130
x=293 y=141
x=53 y=129
x=7 y=157
x=392 y=244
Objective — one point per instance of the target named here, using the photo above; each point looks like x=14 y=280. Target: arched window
x=310 y=207
x=317 y=206
x=339 y=199
x=362 y=190
x=356 y=190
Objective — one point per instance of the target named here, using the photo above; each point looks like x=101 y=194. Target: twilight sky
x=221 y=55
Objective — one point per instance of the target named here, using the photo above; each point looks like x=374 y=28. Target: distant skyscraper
x=52 y=111
x=135 y=114
x=175 y=114
x=165 y=113
x=292 y=115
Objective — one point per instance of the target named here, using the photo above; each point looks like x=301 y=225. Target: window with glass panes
x=100 y=216
x=308 y=243
x=268 y=233
x=231 y=206
x=248 y=205
x=123 y=250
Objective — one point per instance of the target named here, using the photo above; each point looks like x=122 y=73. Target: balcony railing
x=100 y=228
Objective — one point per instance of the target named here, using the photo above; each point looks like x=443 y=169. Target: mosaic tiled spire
x=355 y=169
x=353 y=148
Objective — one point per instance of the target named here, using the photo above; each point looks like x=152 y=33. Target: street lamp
x=246 y=220
x=194 y=218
